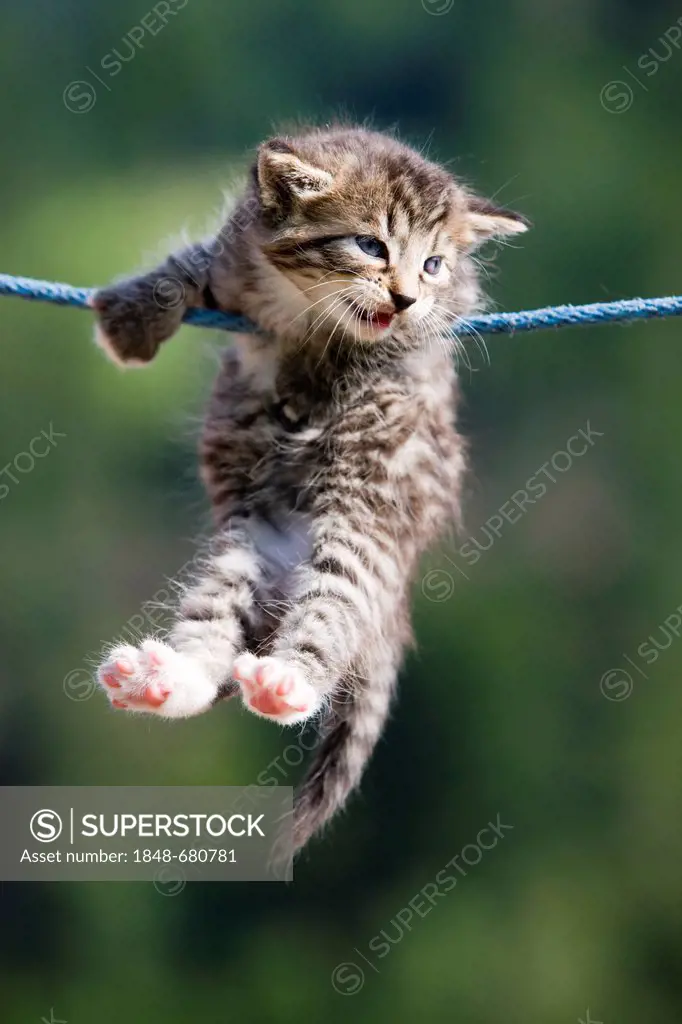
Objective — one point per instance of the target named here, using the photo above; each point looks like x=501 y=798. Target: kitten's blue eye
x=433 y=264
x=372 y=246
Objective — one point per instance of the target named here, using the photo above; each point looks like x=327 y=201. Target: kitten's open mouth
x=380 y=321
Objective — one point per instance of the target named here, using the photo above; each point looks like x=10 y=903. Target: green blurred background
x=500 y=710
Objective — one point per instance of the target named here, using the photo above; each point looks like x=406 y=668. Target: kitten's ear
x=284 y=179
x=485 y=220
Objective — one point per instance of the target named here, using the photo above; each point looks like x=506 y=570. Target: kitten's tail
x=347 y=739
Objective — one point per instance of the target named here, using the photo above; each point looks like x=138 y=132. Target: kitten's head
x=365 y=239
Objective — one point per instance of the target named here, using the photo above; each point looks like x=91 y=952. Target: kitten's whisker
x=433 y=322
x=503 y=187
x=323 y=280
x=477 y=336
x=311 y=329
x=329 y=339
x=448 y=342
x=341 y=274
x=453 y=321
x=320 y=321
x=336 y=325
x=316 y=303
x=482 y=265
x=325 y=312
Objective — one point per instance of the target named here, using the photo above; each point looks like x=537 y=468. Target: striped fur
x=330 y=450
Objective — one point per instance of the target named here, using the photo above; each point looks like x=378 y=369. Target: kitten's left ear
x=285 y=180
x=485 y=220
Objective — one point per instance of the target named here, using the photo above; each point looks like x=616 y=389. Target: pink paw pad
x=275 y=689
x=156 y=679
x=156 y=694
x=137 y=675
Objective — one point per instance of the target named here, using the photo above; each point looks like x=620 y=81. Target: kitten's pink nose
x=402 y=302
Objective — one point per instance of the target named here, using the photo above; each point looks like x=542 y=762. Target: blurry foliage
x=500 y=709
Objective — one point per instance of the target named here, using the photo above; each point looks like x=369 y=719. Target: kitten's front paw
x=135 y=316
x=157 y=680
x=275 y=689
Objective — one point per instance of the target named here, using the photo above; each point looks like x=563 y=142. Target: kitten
x=330 y=450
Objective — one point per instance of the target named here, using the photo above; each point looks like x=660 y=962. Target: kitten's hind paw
x=275 y=689
x=157 y=680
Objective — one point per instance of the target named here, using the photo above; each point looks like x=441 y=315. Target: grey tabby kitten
x=329 y=451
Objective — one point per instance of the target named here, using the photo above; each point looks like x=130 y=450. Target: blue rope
x=490 y=323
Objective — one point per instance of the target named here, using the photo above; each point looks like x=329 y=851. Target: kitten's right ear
x=486 y=220
x=284 y=180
